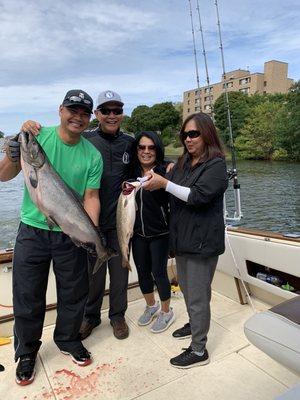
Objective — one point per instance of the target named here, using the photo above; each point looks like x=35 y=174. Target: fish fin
x=33 y=179
x=51 y=222
x=77 y=242
x=126 y=264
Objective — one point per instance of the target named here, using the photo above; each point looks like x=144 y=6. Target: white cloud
x=142 y=49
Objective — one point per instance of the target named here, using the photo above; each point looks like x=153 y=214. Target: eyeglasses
x=78 y=99
x=151 y=147
x=107 y=111
x=191 y=134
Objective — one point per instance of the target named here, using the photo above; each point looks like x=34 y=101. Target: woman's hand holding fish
x=155 y=181
x=31 y=127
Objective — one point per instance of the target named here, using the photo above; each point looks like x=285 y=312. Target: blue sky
x=140 y=48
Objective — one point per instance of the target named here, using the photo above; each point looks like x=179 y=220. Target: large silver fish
x=58 y=202
x=126 y=211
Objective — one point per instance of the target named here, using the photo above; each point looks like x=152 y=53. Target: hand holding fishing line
x=154 y=181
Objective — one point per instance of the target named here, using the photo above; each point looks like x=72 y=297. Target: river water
x=270 y=193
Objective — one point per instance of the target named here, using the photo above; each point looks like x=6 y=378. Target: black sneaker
x=189 y=359
x=81 y=356
x=183 y=333
x=25 y=371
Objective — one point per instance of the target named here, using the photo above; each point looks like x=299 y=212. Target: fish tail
x=98 y=263
x=101 y=260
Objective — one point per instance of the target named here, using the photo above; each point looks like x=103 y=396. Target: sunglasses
x=114 y=111
x=151 y=147
x=78 y=99
x=190 y=134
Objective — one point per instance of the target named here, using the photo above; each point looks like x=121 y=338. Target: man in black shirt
x=115 y=147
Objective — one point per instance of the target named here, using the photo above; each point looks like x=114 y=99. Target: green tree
x=179 y=107
x=93 y=123
x=141 y=119
x=240 y=106
x=125 y=125
x=295 y=88
x=259 y=137
x=164 y=115
x=155 y=118
x=290 y=134
x=1 y=134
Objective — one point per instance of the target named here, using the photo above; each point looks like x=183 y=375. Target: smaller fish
x=126 y=211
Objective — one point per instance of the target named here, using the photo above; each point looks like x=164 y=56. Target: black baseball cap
x=77 y=97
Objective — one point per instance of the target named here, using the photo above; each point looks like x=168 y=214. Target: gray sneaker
x=163 y=321
x=149 y=314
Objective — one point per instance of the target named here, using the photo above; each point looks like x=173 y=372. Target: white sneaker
x=149 y=314
x=163 y=321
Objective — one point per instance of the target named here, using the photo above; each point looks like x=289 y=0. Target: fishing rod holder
x=238 y=215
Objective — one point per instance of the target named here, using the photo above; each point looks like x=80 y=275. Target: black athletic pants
x=34 y=250
x=118 y=286
x=151 y=257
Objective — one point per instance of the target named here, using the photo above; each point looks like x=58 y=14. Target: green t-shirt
x=80 y=166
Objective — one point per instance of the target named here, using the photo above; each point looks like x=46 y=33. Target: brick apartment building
x=273 y=80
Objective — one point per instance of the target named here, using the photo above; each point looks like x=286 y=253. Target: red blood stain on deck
x=69 y=385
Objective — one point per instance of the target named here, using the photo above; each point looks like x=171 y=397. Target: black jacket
x=152 y=216
x=116 y=151
x=197 y=227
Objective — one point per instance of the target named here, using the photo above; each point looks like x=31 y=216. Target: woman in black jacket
x=197 y=184
x=150 y=241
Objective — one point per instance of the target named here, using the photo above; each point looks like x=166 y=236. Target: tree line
x=265 y=126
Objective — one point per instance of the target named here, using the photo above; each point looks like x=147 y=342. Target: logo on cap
x=109 y=95
x=81 y=95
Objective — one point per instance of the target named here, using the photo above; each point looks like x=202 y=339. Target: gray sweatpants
x=195 y=274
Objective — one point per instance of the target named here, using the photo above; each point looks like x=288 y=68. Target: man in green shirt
x=80 y=166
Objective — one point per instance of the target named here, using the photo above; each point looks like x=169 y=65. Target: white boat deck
x=138 y=367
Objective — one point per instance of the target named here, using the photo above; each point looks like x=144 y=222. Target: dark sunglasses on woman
x=107 y=111
x=190 y=134
x=143 y=147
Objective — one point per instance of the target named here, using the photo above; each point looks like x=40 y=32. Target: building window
x=188 y=110
x=197 y=109
x=265 y=83
x=208 y=98
x=207 y=107
x=244 y=81
x=197 y=92
x=227 y=85
x=188 y=95
x=208 y=89
x=245 y=90
x=188 y=102
x=197 y=102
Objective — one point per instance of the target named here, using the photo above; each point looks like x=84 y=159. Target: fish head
x=129 y=187
x=32 y=153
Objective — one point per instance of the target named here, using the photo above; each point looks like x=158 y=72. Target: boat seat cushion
x=289 y=309
x=277 y=333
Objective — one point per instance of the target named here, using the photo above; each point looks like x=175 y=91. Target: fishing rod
x=195 y=54
x=205 y=61
x=232 y=173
